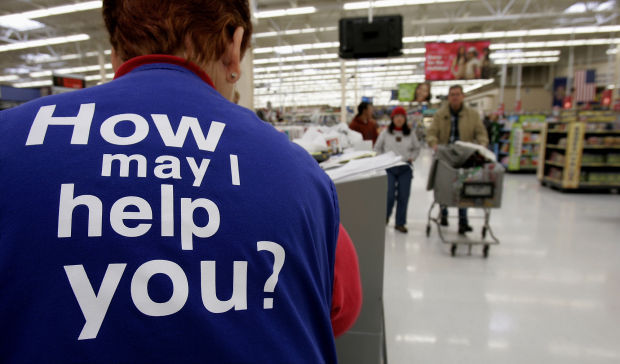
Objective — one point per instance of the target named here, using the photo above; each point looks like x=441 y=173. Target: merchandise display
x=519 y=143
x=581 y=151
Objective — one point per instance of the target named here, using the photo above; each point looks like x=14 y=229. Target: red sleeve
x=347 y=294
x=354 y=126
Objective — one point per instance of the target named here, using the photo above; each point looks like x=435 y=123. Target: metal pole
x=370 y=10
x=101 y=56
x=617 y=83
x=343 y=92
x=519 y=82
x=571 y=71
x=356 y=86
x=502 y=86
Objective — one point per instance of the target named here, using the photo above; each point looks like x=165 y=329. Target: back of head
x=362 y=107
x=196 y=30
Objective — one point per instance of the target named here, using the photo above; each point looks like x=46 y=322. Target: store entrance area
x=547 y=294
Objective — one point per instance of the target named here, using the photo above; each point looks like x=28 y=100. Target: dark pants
x=399 y=188
x=462 y=215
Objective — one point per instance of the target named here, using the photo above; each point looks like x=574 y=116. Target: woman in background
x=399 y=139
x=458 y=64
x=422 y=93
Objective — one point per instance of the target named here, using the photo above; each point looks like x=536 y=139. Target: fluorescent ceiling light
x=285 y=12
x=80 y=69
x=33 y=84
x=312 y=57
x=528 y=60
x=295 y=32
x=360 y=63
x=296 y=48
x=63 y=9
x=607 y=5
x=19 y=23
x=8 y=78
x=595 y=6
x=554 y=44
x=520 y=54
x=46 y=58
x=363 y=5
x=43 y=42
x=513 y=34
x=414 y=50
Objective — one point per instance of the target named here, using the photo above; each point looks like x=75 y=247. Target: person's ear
x=232 y=57
x=116 y=60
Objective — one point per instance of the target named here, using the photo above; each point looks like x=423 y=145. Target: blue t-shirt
x=149 y=220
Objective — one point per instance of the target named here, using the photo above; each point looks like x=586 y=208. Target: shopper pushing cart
x=465 y=175
x=452 y=123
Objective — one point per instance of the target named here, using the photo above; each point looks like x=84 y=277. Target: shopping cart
x=475 y=187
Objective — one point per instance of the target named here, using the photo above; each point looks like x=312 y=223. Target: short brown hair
x=453 y=87
x=200 y=29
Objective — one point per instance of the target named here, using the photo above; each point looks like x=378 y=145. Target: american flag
x=585 y=85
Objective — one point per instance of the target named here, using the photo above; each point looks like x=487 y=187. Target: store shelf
x=554 y=181
x=555 y=146
x=530 y=154
x=601 y=147
x=532 y=130
x=602 y=185
x=531 y=143
x=601 y=165
x=557 y=132
x=604 y=132
x=555 y=164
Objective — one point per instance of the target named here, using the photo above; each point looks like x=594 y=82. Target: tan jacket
x=471 y=128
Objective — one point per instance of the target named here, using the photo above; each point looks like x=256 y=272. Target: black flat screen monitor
x=362 y=39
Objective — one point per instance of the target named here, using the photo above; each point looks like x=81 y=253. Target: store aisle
x=550 y=293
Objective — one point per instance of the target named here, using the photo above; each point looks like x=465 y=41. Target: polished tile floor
x=549 y=293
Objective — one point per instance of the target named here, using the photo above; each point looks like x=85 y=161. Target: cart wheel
x=485 y=251
x=484 y=232
x=453 y=250
x=428 y=230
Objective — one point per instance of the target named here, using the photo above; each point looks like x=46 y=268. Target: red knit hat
x=399 y=110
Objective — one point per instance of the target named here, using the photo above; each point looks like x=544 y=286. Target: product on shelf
x=562 y=142
x=599 y=126
x=610 y=178
x=559 y=127
x=530 y=149
x=589 y=158
x=557 y=157
x=608 y=141
x=613 y=158
x=530 y=137
x=555 y=173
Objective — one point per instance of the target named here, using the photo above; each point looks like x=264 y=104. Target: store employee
x=151 y=220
